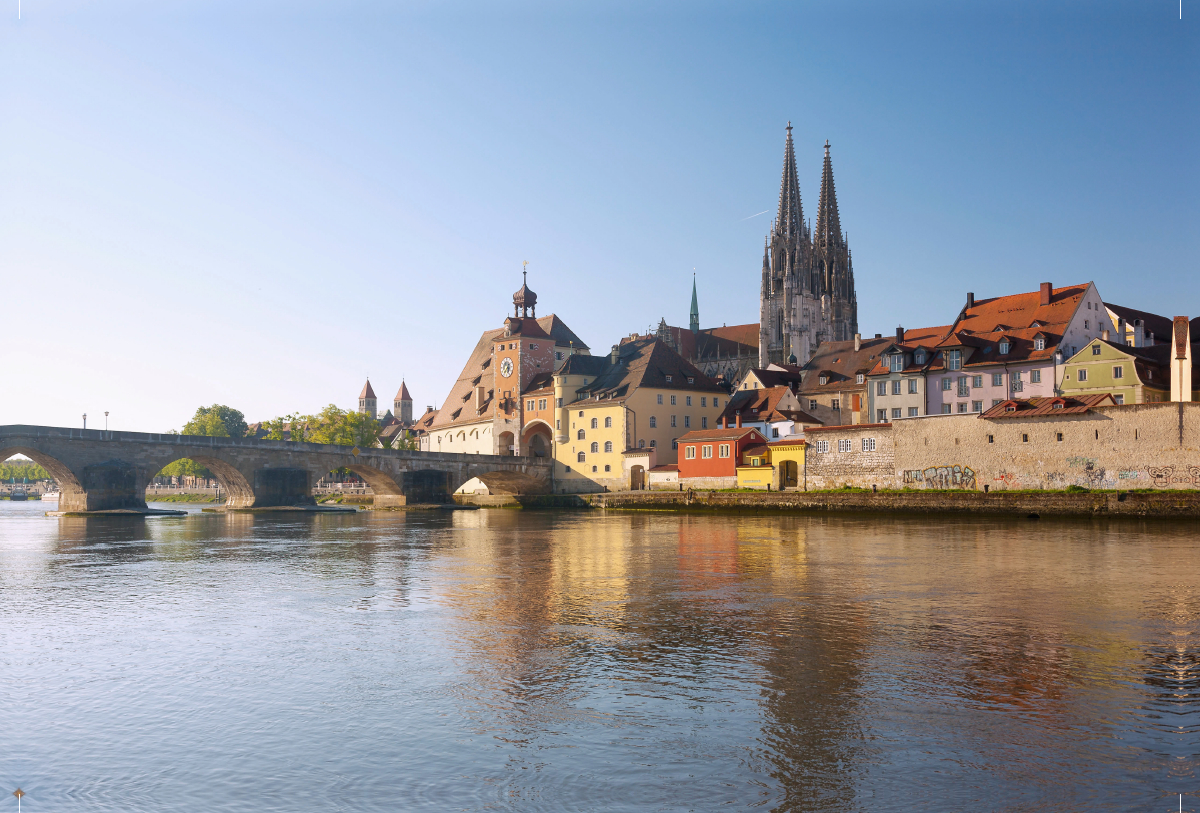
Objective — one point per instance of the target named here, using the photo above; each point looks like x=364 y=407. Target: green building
x=1134 y=375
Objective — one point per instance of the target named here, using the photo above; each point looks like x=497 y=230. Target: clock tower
x=521 y=352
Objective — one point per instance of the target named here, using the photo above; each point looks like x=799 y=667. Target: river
x=556 y=660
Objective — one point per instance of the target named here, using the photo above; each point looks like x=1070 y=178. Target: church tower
x=367 y=401
x=403 y=404
x=694 y=317
x=807 y=289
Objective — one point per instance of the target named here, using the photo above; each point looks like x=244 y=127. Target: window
x=881 y=388
x=653 y=422
x=1058 y=436
x=691 y=380
x=1120 y=399
x=529 y=406
x=704 y=423
x=913 y=412
x=881 y=416
x=976 y=381
x=821 y=446
x=687 y=421
x=581 y=434
x=568 y=469
x=1119 y=371
x=912 y=386
x=558 y=355
x=672 y=420
x=836 y=403
x=595 y=423
x=608 y=468
x=716 y=403
x=858 y=379
x=896 y=412
x=868 y=444
x=593 y=469
x=689 y=452
x=897 y=360
x=1005 y=346
x=947 y=384
x=977 y=406
x=896 y=387
x=844 y=446
x=595 y=447
x=1024 y=438
x=995 y=402
x=812 y=403
x=774 y=431
x=541 y=403
x=581 y=457
x=653 y=443
x=1035 y=376
x=953 y=359
x=824 y=379
x=723 y=450
x=963 y=389
x=1083 y=375
x=945 y=409
x=991 y=438
x=557 y=424
x=1087 y=325
x=703 y=401
x=672 y=400
x=608 y=446
x=674 y=443
x=920 y=357
x=608 y=422
x=687 y=400
x=962 y=406
x=581 y=411
x=997 y=379
x=668 y=379
x=1095 y=349
x=641 y=443
x=1039 y=343
x=558 y=403
x=706 y=451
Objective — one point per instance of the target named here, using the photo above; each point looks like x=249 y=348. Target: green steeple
x=694 y=321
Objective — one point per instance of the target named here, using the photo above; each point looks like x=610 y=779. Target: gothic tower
x=807 y=294
x=694 y=316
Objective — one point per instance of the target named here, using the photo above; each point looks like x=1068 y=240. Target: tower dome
x=525 y=300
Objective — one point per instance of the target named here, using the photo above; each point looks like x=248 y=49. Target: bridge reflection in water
x=98 y=470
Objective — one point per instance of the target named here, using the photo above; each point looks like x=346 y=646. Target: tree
x=339 y=427
x=216 y=421
x=185 y=467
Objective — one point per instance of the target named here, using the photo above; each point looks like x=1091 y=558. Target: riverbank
x=182 y=497
x=1178 y=504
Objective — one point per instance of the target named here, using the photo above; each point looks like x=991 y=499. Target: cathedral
x=807 y=277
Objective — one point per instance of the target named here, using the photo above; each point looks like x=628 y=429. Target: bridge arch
x=69 y=487
x=537 y=439
x=382 y=484
x=239 y=492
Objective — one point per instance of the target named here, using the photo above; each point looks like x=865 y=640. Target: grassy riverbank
x=204 y=498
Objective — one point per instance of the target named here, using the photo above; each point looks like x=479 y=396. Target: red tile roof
x=732 y=433
x=1029 y=407
x=763 y=405
x=743 y=334
x=367 y=392
x=843 y=363
x=849 y=426
x=403 y=395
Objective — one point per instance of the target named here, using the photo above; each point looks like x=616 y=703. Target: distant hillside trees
x=22 y=470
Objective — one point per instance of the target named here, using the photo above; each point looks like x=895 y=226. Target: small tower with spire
x=694 y=317
x=402 y=405
x=367 y=403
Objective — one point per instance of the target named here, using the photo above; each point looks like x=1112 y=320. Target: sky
x=260 y=204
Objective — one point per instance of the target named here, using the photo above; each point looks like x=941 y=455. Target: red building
x=709 y=457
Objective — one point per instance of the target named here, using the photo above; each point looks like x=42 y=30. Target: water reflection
x=547 y=661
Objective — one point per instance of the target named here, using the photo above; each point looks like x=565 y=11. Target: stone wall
x=858 y=467
x=1135 y=446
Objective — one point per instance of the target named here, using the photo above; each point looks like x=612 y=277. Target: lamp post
x=85 y=420
x=106 y=420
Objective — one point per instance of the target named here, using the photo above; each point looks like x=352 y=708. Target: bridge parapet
x=99 y=470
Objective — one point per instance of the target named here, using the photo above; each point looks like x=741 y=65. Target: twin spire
x=789 y=222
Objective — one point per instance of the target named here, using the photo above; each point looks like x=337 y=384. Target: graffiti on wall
x=945 y=477
x=1091 y=474
x=1166 y=476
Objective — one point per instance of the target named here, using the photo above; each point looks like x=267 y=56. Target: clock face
x=506 y=368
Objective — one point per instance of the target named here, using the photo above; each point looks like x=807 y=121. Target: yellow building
x=639 y=398
x=774 y=466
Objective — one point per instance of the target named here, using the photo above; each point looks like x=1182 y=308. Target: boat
x=18 y=494
x=50 y=496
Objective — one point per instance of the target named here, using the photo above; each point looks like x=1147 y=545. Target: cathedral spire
x=694 y=318
x=789 y=222
x=829 y=225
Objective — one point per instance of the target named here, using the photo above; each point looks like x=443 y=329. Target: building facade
x=807 y=293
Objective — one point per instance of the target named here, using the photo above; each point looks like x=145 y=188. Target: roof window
x=691 y=380
x=1005 y=346
x=668 y=379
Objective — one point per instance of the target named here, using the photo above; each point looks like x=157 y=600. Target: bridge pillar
x=276 y=487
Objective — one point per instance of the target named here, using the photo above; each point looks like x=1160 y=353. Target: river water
x=552 y=660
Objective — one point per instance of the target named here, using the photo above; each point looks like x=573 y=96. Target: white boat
x=51 y=496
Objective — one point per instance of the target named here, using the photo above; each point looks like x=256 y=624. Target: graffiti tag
x=944 y=477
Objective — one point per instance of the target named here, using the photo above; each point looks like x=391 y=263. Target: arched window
x=582 y=435
x=608 y=446
x=653 y=443
x=594 y=423
x=608 y=422
x=641 y=444
x=582 y=457
x=595 y=447
x=653 y=422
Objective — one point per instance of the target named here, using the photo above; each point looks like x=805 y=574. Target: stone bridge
x=98 y=470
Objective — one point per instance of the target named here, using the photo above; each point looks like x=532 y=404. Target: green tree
x=184 y=467
x=277 y=426
x=216 y=421
x=339 y=427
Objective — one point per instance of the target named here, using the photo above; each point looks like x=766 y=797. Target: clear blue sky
x=259 y=203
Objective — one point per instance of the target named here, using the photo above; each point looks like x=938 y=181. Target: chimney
x=615 y=356
x=738 y=419
x=1181 y=360
x=1047 y=288
x=878 y=335
x=1105 y=335
x=1121 y=330
x=970 y=299
x=857 y=342
x=899 y=334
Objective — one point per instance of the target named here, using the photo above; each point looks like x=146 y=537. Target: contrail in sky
x=763 y=212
